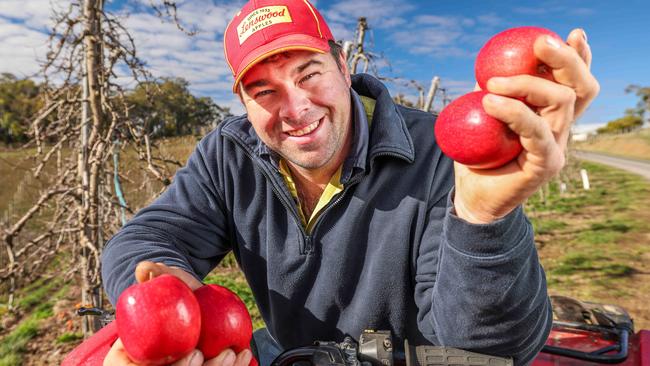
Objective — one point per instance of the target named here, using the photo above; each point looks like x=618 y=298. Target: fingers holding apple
x=229 y=358
x=553 y=102
x=543 y=157
x=118 y=356
x=147 y=270
x=570 y=66
x=578 y=40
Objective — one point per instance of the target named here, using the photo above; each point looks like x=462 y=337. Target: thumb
x=146 y=270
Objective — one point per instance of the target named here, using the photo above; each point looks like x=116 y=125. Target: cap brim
x=286 y=43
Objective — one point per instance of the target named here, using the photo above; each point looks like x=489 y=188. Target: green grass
x=594 y=251
x=615 y=225
x=547 y=226
x=574 y=262
x=591 y=238
x=69 y=337
x=37 y=292
x=13 y=345
x=37 y=300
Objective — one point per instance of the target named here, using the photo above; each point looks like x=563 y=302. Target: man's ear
x=240 y=93
x=344 y=68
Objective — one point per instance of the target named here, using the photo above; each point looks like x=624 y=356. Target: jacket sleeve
x=185 y=227
x=481 y=287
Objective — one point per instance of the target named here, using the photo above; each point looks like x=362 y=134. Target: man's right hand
x=117 y=357
x=144 y=272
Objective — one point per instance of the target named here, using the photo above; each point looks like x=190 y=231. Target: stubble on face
x=327 y=100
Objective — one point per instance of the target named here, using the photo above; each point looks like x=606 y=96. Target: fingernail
x=495 y=99
x=229 y=359
x=553 y=42
x=584 y=35
x=196 y=359
x=246 y=357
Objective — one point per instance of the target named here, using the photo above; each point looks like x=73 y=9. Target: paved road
x=635 y=166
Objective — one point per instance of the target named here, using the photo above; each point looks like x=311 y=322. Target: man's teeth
x=304 y=131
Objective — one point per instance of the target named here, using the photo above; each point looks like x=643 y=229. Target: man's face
x=299 y=105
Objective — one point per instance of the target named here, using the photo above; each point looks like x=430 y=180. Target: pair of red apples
x=162 y=320
x=464 y=131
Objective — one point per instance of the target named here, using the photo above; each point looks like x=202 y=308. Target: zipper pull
x=308 y=244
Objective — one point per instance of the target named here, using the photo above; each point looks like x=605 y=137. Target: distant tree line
x=621 y=125
x=162 y=108
x=634 y=117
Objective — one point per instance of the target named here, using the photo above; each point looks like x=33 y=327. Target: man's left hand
x=483 y=196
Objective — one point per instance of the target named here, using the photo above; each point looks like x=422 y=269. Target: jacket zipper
x=307 y=238
x=353 y=182
x=338 y=199
x=278 y=192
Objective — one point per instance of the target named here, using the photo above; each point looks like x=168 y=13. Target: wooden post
x=435 y=82
x=585 y=179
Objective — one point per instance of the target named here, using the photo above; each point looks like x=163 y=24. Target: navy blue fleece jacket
x=387 y=253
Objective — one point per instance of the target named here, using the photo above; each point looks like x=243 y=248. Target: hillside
x=592 y=244
x=632 y=145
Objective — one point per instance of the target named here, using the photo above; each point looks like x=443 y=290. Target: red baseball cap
x=265 y=27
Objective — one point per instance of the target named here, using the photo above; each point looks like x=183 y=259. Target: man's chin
x=313 y=163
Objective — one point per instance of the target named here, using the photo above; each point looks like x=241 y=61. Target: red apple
x=159 y=321
x=510 y=53
x=226 y=322
x=468 y=135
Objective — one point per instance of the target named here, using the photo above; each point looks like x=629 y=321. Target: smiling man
x=342 y=211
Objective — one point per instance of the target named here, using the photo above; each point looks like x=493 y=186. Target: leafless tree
x=77 y=135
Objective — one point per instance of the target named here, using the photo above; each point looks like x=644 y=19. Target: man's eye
x=306 y=78
x=263 y=93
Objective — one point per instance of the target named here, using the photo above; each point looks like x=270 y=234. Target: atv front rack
x=602 y=355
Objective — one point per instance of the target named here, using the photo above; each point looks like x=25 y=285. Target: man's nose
x=294 y=104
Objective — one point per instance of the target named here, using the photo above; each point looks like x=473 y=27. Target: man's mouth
x=305 y=130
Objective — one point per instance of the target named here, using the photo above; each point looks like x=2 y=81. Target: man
x=342 y=211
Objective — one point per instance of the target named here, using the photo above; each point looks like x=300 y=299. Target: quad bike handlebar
x=375 y=348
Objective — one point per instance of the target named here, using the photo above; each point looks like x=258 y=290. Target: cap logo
x=261 y=18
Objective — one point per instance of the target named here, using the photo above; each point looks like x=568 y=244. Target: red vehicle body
x=583 y=334
x=592 y=343
x=587 y=333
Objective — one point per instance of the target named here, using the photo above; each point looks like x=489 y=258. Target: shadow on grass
x=591 y=265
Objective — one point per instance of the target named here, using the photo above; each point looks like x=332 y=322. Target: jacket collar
x=387 y=136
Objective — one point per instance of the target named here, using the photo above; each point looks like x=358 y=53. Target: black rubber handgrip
x=447 y=356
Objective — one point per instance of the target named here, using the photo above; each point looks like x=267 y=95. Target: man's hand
x=147 y=270
x=144 y=272
x=483 y=196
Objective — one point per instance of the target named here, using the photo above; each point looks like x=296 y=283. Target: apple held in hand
x=226 y=322
x=511 y=53
x=159 y=321
x=468 y=135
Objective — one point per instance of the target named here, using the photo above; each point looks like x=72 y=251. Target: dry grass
x=633 y=145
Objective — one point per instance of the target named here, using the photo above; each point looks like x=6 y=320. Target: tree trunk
x=89 y=169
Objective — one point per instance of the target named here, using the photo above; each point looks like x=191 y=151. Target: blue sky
x=417 y=39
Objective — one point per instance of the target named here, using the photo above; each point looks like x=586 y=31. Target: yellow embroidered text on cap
x=260 y=19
